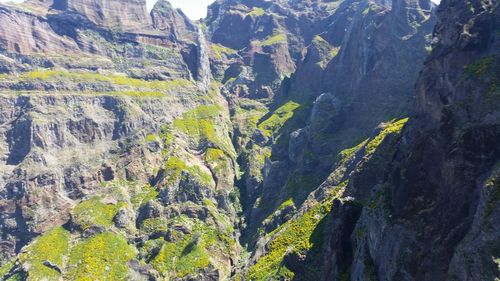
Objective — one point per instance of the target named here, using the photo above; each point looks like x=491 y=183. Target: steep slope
x=290 y=144
x=418 y=203
x=128 y=140
x=117 y=161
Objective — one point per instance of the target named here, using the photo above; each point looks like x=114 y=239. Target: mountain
x=272 y=140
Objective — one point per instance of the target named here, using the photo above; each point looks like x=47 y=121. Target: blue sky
x=195 y=9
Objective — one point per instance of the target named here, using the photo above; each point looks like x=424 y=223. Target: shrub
x=152 y=225
x=100 y=257
x=52 y=247
x=295 y=236
x=199 y=125
x=190 y=252
x=94 y=212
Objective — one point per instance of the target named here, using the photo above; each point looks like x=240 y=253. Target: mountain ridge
x=273 y=140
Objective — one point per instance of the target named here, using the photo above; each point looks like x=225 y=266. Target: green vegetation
x=151 y=88
x=183 y=257
x=100 y=257
x=136 y=94
x=219 y=51
x=214 y=155
x=190 y=252
x=480 y=66
x=273 y=123
x=154 y=225
x=146 y=193
x=150 y=138
x=326 y=51
x=6 y=267
x=94 y=212
x=392 y=128
x=272 y=40
x=199 y=123
x=203 y=176
x=175 y=166
x=217 y=160
x=51 y=247
x=247 y=115
x=256 y=12
x=294 y=236
x=346 y=154
x=286 y=204
x=487 y=71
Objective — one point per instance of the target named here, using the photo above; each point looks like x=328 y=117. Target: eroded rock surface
x=273 y=140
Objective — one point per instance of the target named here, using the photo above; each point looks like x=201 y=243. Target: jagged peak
x=172 y=21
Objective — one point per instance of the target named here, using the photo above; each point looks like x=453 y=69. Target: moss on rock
x=51 y=248
x=93 y=212
x=100 y=257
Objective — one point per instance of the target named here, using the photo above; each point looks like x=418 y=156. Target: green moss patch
x=50 y=247
x=191 y=252
x=6 y=267
x=392 y=128
x=326 y=51
x=293 y=236
x=256 y=12
x=145 y=194
x=94 y=212
x=127 y=85
x=274 y=39
x=218 y=51
x=100 y=257
x=182 y=258
x=346 y=154
x=273 y=123
x=175 y=166
x=199 y=125
x=217 y=160
x=154 y=225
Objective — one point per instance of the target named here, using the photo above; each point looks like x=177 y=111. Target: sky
x=194 y=9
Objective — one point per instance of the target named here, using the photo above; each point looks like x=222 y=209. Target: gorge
x=272 y=140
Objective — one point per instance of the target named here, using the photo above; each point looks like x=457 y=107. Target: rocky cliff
x=273 y=140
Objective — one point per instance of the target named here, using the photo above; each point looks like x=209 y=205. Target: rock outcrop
x=130 y=15
x=273 y=140
x=430 y=215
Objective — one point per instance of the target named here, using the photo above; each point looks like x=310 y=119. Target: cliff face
x=114 y=143
x=433 y=206
x=127 y=15
x=274 y=140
